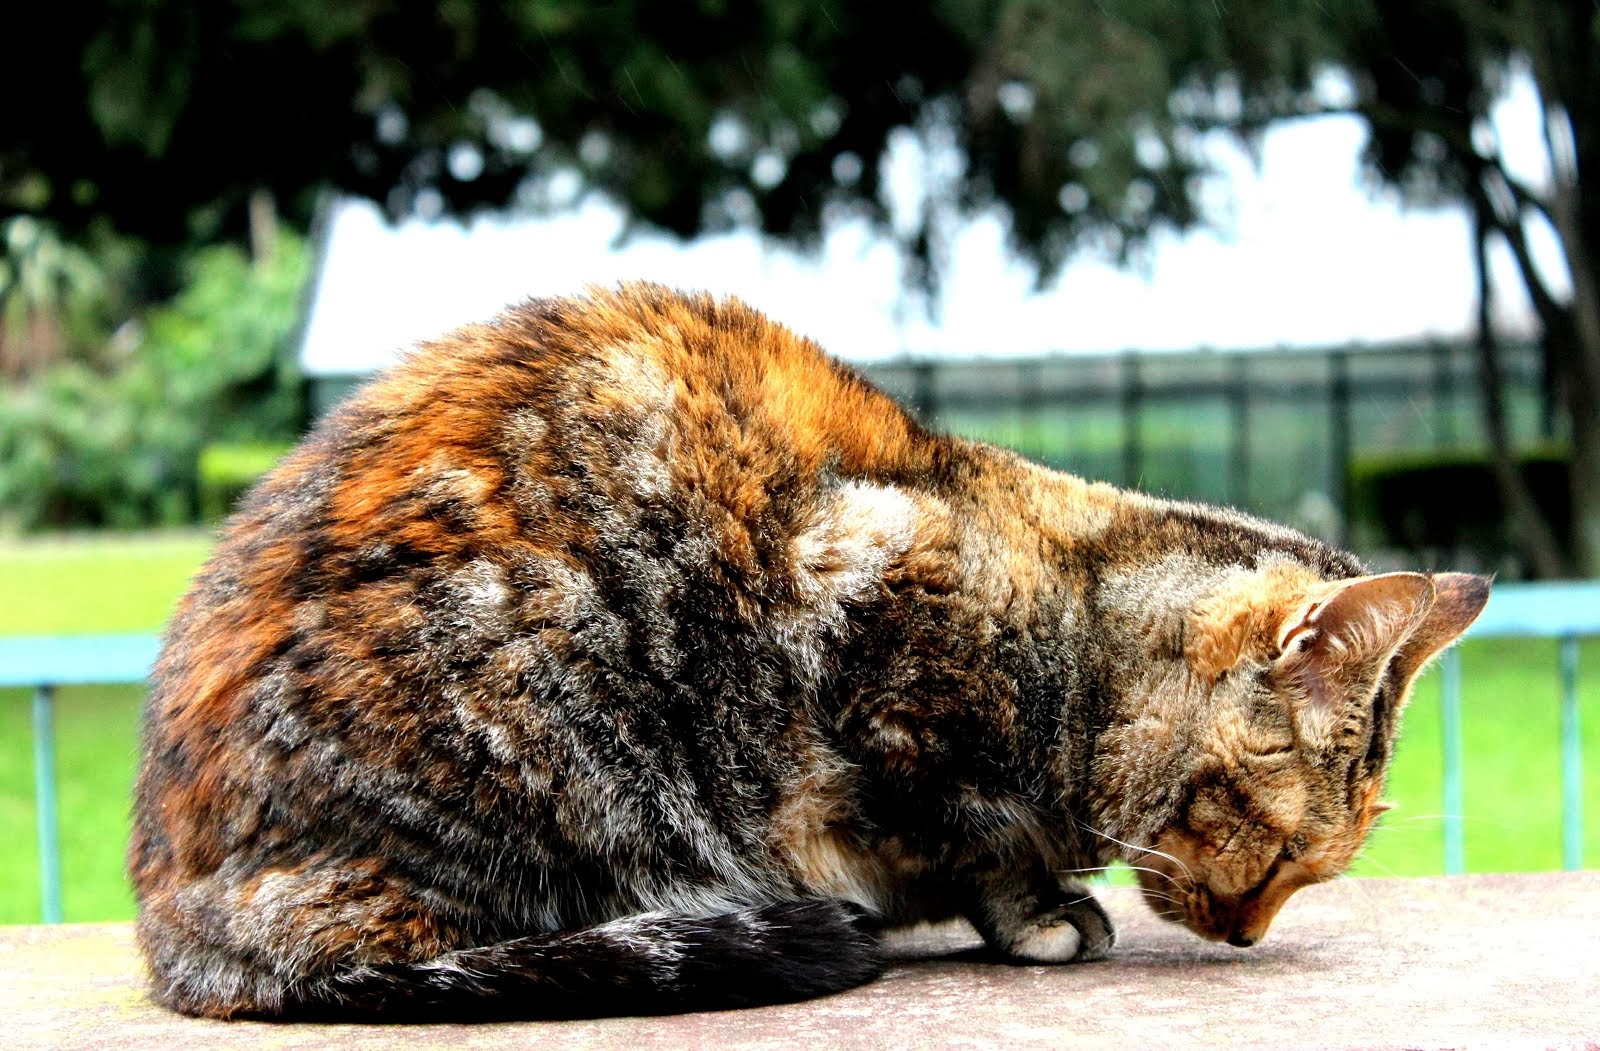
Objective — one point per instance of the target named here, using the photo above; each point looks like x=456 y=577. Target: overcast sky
x=1299 y=253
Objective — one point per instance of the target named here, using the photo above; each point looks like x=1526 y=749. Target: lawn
x=86 y=583
x=1512 y=815
x=80 y=585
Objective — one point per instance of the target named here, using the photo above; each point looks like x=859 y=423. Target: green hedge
x=117 y=442
x=1450 y=501
x=228 y=469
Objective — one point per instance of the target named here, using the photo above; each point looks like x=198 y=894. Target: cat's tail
x=652 y=963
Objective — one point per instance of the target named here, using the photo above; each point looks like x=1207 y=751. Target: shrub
x=228 y=469
x=1449 y=504
x=120 y=446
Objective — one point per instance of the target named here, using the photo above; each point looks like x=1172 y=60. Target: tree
x=52 y=294
x=91 y=443
x=1427 y=106
x=162 y=119
x=1426 y=76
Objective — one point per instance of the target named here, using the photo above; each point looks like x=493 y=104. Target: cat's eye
x=1300 y=642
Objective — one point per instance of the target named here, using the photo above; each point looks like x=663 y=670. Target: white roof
x=1302 y=254
x=382 y=287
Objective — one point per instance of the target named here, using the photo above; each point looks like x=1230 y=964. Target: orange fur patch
x=1240 y=620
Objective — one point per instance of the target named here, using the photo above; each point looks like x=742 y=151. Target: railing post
x=1455 y=853
x=924 y=397
x=1030 y=404
x=1571 y=759
x=1239 y=424
x=44 y=795
x=1132 y=421
x=1339 y=440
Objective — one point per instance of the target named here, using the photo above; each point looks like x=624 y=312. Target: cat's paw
x=1076 y=931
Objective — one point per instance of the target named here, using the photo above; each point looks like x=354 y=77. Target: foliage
x=228 y=469
x=1427 y=76
x=697 y=115
x=119 y=446
x=220 y=345
x=81 y=448
x=1084 y=122
x=57 y=298
x=1443 y=508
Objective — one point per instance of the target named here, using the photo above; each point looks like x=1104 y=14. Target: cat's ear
x=1333 y=649
x=1458 y=599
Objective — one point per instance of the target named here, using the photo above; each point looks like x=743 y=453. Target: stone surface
x=1453 y=962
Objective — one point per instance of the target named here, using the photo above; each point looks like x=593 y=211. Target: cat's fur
x=628 y=654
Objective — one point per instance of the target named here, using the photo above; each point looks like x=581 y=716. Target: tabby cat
x=627 y=654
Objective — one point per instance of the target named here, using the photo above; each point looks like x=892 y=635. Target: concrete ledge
x=1465 y=961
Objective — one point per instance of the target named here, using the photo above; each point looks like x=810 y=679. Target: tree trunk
x=1561 y=44
x=1528 y=526
x=1584 y=404
x=263 y=226
x=1586 y=513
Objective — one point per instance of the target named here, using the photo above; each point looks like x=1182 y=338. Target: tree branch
x=1525 y=196
x=1532 y=533
x=1541 y=41
x=1553 y=315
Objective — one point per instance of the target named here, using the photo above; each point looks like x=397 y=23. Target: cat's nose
x=1241 y=939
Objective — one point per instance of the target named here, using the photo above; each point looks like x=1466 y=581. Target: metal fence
x=1269 y=431
x=1273 y=432
x=1566 y=612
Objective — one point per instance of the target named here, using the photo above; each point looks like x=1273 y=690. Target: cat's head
x=1285 y=692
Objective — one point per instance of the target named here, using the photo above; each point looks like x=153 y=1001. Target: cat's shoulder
x=646 y=350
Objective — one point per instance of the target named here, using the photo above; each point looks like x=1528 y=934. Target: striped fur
x=626 y=653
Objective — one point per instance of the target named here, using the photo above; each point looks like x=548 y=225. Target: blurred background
x=1329 y=261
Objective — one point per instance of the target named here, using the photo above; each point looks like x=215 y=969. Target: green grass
x=76 y=585
x=88 y=583
x=1510 y=697
x=96 y=730
x=1511 y=765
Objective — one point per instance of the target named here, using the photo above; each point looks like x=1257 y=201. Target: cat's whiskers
x=1153 y=895
x=1143 y=851
x=1385 y=869
x=1164 y=875
x=1161 y=895
x=1414 y=830
x=1176 y=904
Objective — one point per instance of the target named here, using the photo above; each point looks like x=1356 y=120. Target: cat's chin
x=1200 y=912
x=1239 y=922
x=1172 y=914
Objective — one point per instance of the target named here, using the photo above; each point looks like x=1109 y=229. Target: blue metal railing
x=44 y=664
x=1566 y=612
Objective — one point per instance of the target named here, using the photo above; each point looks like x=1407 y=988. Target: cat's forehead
x=1241 y=616
x=1211 y=614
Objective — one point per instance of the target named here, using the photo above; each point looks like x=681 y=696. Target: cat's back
x=551 y=544
x=621 y=366
x=560 y=418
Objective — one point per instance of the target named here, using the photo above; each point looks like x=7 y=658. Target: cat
x=627 y=654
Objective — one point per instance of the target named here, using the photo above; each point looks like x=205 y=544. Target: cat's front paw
x=1075 y=931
